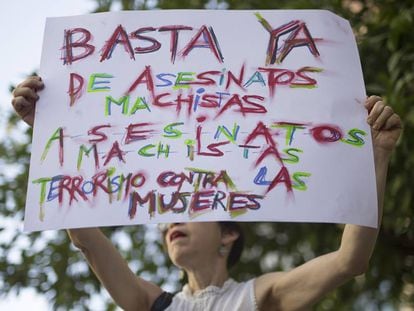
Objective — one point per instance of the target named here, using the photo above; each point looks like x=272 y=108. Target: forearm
x=129 y=291
x=358 y=242
x=84 y=238
x=102 y=256
x=314 y=279
x=382 y=159
x=94 y=245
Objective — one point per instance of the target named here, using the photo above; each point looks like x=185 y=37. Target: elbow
x=360 y=270
x=356 y=268
x=82 y=248
x=78 y=245
x=76 y=241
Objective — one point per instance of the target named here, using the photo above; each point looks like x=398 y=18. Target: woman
x=203 y=249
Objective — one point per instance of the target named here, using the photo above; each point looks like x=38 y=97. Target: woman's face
x=193 y=243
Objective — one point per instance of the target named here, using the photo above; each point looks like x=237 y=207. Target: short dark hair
x=238 y=244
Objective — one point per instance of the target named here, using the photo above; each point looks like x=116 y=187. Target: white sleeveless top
x=233 y=296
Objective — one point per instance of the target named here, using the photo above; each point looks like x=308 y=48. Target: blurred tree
x=48 y=263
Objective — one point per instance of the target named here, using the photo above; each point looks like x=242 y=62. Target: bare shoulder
x=303 y=286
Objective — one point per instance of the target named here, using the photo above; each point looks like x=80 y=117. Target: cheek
x=210 y=240
x=172 y=253
x=167 y=246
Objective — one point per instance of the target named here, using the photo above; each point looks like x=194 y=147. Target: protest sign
x=175 y=116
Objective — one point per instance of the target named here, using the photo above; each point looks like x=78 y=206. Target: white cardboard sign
x=175 y=116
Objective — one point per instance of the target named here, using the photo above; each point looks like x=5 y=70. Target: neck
x=200 y=278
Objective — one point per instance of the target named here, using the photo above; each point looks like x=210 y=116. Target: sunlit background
x=21 y=29
x=48 y=272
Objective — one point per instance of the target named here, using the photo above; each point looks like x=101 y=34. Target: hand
x=25 y=98
x=386 y=125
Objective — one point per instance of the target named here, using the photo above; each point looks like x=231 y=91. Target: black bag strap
x=162 y=302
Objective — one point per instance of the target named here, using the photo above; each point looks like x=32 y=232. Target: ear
x=228 y=237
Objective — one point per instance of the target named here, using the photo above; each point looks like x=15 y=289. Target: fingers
x=28 y=88
x=393 y=122
x=383 y=117
x=22 y=105
x=25 y=97
x=370 y=102
x=33 y=82
x=380 y=115
x=26 y=92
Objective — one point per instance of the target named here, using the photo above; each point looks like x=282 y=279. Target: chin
x=178 y=258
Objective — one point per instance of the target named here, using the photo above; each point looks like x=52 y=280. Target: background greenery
x=48 y=263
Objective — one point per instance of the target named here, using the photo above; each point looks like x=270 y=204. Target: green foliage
x=48 y=263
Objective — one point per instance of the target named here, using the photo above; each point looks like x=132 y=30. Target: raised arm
x=303 y=286
x=129 y=291
x=358 y=242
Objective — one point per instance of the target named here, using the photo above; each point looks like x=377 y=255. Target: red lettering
x=76 y=183
x=157 y=100
x=98 y=180
x=174 y=38
x=271 y=150
x=163 y=206
x=209 y=41
x=171 y=179
x=255 y=107
x=155 y=45
x=115 y=151
x=163 y=180
x=82 y=43
x=118 y=37
x=61 y=146
x=64 y=183
x=238 y=81
x=222 y=177
x=261 y=130
x=95 y=131
x=326 y=133
x=75 y=87
x=146 y=78
x=136 y=199
x=300 y=36
x=201 y=200
x=233 y=101
x=255 y=205
x=138 y=180
x=209 y=101
x=133 y=134
x=215 y=152
x=237 y=201
x=203 y=79
x=182 y=99
x=220 y=195
x=306 y=80
x=282 y=177
x=277 y=76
